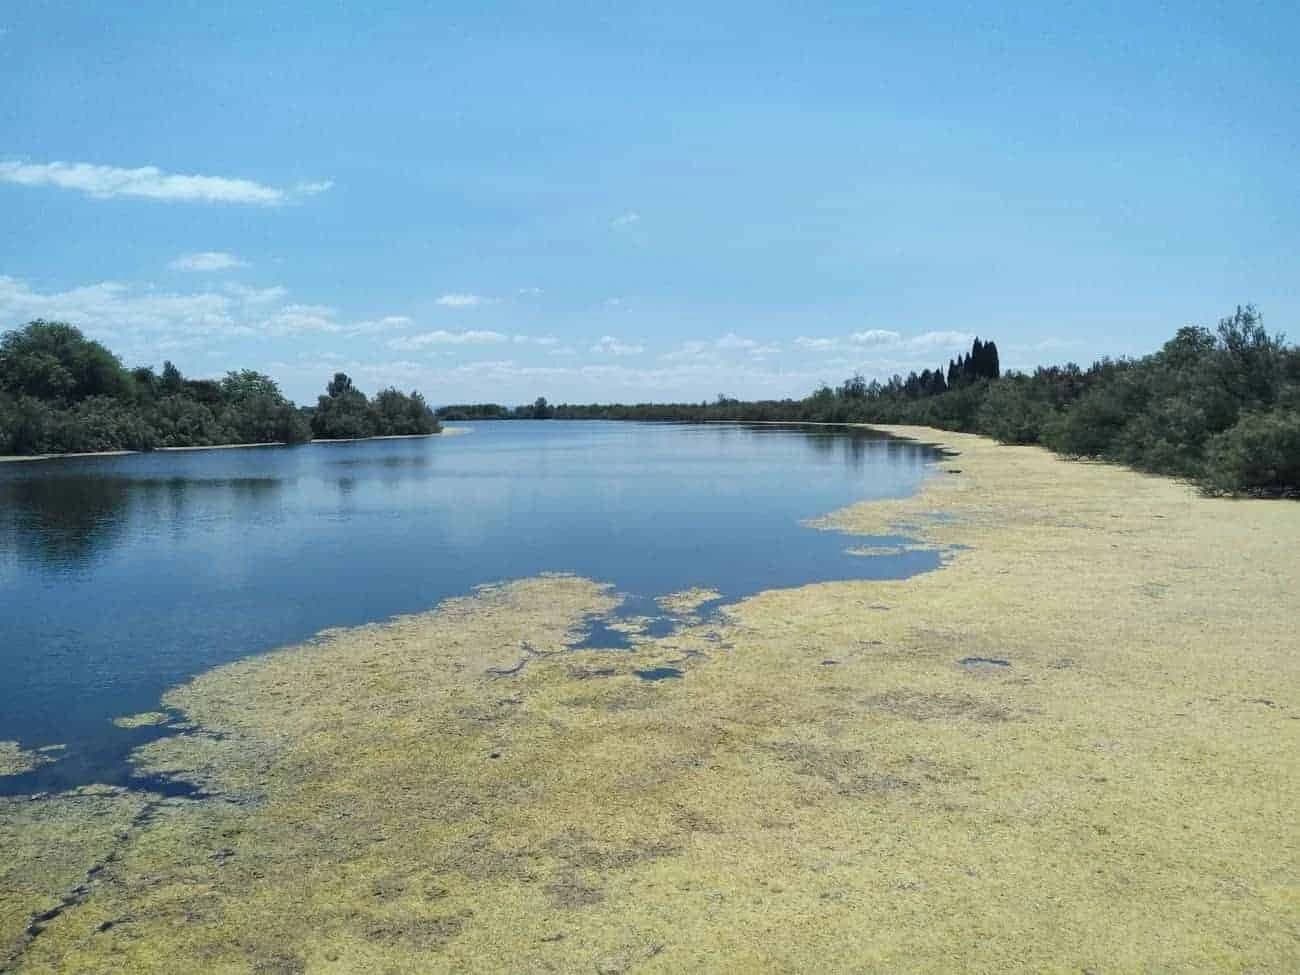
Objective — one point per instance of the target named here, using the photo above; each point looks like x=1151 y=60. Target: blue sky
x=592 y=202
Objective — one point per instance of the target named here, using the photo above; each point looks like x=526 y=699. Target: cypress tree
x=993 y=368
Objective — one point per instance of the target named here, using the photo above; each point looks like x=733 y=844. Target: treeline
x=63 y=393
x=539 y=409
x=1217 y=406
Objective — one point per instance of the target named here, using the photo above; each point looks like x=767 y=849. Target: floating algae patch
x=145 y=719
x=688 y=601
x=53 y=850
x=466 y=791
x=15 y=759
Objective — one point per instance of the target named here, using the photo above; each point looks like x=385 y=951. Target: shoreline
x=1070 y=747
x=22 y=458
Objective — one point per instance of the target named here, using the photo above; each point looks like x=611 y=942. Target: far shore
x=17 y=458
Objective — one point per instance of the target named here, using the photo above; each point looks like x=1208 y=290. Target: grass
x=828 y=787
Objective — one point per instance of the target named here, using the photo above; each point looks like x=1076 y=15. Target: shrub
x=1259 y=454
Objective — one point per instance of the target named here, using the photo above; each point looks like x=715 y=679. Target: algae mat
x=1072 y=748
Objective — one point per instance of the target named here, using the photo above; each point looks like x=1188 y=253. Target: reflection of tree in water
x=854 y=444
x=61 y=520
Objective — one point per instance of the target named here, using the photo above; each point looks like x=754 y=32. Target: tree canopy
x=61 y=392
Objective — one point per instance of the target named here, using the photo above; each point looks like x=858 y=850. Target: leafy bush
x=1260 y=453
x=1011 y=413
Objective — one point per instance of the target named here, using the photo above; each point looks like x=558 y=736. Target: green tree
x=54 y=361
x=343 y=413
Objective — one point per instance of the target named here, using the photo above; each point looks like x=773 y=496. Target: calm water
x=122 y=576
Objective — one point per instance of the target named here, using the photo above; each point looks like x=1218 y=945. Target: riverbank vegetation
x=63 y=393
x=1217 y=406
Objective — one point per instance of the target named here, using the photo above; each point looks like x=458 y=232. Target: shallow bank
x=16 y=458
x=828 y=786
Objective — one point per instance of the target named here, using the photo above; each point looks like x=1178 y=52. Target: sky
x=598 y=201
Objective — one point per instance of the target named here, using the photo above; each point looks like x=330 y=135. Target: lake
x=121 y=576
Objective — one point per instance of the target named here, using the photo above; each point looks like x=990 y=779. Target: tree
x=172 y=380
x=402 y=414
x=343 y=413
x=53 y=360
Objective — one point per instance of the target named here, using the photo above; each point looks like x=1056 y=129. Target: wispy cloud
x=256 y=296
x=150 y=182
x=816 y=344
x=535 y=340
x=299 y=319
x=887 y=340
x=609 y=345
x=141 y=323
x=626 y=219
x=876 y=336
x=461 y=301
x=942 y=340
x=207 y=261
x=442 y=337
x=729 y=346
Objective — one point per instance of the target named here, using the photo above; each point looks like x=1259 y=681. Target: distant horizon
x=309 y=398
x=492 y=204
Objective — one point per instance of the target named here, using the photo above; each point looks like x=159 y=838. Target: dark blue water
x=122 y=576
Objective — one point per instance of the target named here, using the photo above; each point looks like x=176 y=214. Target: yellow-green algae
x=48 y=847
x=827 y=788
x=14 y=758
x=144 y=719
x=687 y=601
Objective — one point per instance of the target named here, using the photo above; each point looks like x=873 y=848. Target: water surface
x=121 y=576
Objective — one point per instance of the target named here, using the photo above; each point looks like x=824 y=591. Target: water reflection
x=62 y=520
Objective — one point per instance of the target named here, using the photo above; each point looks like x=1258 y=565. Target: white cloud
x=297 y=319
x=207 y=261
x=626 y=219
x=460 y=301
x=256 y=296
x=733 y=341
x=150 y=182
x=610 y=345
x=886 y=339
x=113 y=311
x=726 y=347
x=535 y=339
x=530 y=292
x=815 y=344
x=941 y=340
x=875 y=336
x=141 y=323
x=443 y=337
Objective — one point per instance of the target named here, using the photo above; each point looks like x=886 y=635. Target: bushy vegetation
x=63 y=393
x=344 y=413
x=1218 y=406
x=539 y=409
